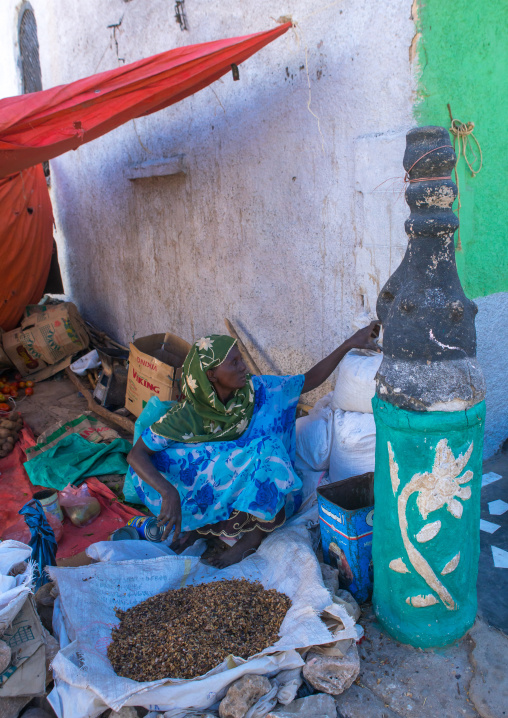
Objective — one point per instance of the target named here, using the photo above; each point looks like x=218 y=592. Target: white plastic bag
x=314 y=436
x=85 y=683
x=16 y=588
x=88 y=361
x=289 y=683
x=265 y=704
x=356 y=382
x=354 y=445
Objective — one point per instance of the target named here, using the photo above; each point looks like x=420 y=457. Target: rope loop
x=463 y=132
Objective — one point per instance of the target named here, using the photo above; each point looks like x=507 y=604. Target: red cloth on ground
x=16 y=489
x=43 y=125
x=113 y=515
x=26 y=240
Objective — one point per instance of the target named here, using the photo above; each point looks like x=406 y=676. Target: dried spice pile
x=186 y=632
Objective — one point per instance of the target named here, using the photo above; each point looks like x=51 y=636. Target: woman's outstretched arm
x=171 y=511
x=362 y=339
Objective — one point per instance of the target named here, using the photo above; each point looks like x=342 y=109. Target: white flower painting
x=443 y=486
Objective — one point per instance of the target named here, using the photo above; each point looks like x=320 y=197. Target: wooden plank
x=122 y=421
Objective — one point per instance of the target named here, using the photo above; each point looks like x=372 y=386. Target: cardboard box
x=18 y=354
x=52 y=332
x=154 y=370
x=5 y=362
x=346 y=515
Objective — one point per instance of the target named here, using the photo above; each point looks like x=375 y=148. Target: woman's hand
x=365 y=338
x=171 y=513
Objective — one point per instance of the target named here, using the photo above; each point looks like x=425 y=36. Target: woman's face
x=231 y=374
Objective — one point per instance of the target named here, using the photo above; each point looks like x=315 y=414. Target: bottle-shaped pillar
x=429 y=413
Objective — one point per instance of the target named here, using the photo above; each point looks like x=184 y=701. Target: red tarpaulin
x=16 y=490
x=26 y=241
x=43 y=125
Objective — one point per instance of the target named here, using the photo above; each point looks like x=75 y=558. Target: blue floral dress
x=253 y=474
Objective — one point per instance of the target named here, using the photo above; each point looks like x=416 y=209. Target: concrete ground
x=468 y=679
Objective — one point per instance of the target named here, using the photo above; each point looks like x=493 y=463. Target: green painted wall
x=463 y=57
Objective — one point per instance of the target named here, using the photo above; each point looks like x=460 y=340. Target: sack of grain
x=353 y=446
x=85 y=683
x=314 y=436
x=356 y=382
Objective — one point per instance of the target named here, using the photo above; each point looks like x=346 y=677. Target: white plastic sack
x=265 y=704
x=356 y=382
x=128 y=549
x=15 y=588
x=85 y=683
x=354 y=445
x=314 y=436
x=289 y=682
x=86 y=362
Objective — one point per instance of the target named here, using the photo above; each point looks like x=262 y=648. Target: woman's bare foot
x=249 y=543
x=184 y=541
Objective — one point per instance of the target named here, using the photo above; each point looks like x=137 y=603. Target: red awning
x=43 y=125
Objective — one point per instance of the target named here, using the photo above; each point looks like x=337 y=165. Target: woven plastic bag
x=85 y=683
x=354 y=445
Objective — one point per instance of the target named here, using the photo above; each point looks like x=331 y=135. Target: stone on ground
x=358 y=702
x=317 y=706
x=332 y=674
x=242 y=694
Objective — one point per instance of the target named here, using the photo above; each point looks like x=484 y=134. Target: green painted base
x=426 y=529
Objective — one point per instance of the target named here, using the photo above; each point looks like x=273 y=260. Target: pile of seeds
x=186 y=632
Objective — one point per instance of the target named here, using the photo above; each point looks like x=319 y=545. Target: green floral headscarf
x=202 y=416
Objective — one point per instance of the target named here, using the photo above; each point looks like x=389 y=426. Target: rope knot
x=463 y=132
x=461 y=129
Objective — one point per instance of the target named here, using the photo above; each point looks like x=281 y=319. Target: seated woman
x=221 y=462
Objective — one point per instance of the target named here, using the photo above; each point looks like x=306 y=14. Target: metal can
x=147 y=528
x=124 y=534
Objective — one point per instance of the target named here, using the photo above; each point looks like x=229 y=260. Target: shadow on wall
x=244 y=230
x=492 y=352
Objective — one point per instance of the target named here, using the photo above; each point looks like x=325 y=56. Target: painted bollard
x=429 y=414
x=428 y=479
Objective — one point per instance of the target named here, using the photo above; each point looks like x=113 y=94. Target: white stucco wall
x=266 y=227
x=287 y=232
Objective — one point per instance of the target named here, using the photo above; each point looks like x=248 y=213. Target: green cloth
x=73 y=458
x=202 y=417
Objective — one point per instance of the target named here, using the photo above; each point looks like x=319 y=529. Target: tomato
x=29 y=383
x=14 y=385
x=14 y=393
x=29 y=391
x=18 y=376
x=5 y=407
x=21 y=384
